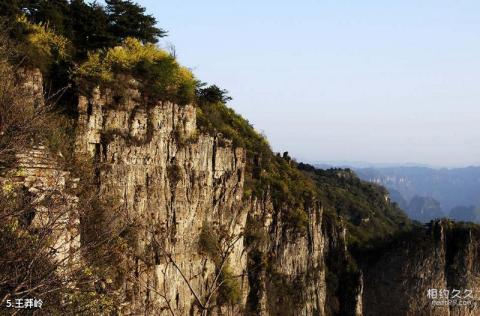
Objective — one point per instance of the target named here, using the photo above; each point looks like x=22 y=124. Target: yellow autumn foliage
x=43 y=45
x=158 y=70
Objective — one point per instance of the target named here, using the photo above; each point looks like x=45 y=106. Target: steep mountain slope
x=400 y=276
x=172 y=204
x=365 y=207
x=174 y=185
x=180 y=198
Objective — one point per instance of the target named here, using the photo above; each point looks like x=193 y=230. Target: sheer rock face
x=32 y=87
x=285 y=267
x=46 y=184
x=47 y=190
x=174 y=180
x=444 y=258
x=169 y=180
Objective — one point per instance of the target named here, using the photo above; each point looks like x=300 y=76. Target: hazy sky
x=377 y=81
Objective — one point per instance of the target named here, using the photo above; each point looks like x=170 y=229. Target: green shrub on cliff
x=208 y=241
x=230 y=291
x=364 y=207
x=41 y=45
x=265 y=171
x=214 y=118
x=159 y=74
x=297 y=219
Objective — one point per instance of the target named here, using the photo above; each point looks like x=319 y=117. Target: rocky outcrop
x=40 y=177
x=285 y=266
x=169 y=184
x=48 y=188
x=174 y=181
x=170 y=181
x=419 y=273
x=32 y=87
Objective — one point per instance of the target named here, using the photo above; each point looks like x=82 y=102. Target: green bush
x=255 y=232
x=209 y=242
x=59 y=135
x=298 y=220
x=42 y=46
x=290 y=189
x=159 y=74
x=230 y=291
x=214 y=118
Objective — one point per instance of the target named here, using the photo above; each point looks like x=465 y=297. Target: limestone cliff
x=174 y=180
x=178 y=194
x=442 y=258
x=45 y=183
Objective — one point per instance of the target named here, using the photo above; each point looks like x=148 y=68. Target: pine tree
x=90 y=28
x=128 y=19
x=53 y=12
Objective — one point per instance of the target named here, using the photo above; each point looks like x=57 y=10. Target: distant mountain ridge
x=426 y=193
x=365 y=164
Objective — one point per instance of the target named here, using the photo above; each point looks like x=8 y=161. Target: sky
x=371 y=81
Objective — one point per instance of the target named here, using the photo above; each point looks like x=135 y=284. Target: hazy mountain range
x=426 y=193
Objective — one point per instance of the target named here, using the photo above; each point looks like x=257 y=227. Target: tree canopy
x=88 y=26
x=212 y=94
x=128 y=19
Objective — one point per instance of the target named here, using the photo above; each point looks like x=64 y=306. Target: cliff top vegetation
x=86 y=44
